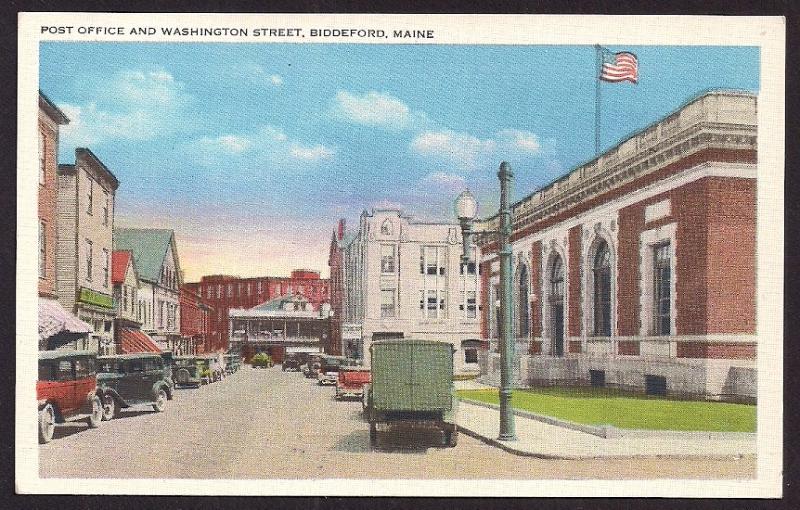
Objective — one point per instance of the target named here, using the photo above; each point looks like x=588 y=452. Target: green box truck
x=412 y=385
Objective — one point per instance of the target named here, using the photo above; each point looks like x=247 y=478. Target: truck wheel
x=451 y=437
x=47 y=424
x=96 y=417
x=373 y=435
x=161 y=401
x=110 y=407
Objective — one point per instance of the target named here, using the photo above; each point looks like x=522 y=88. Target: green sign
x=92 y=297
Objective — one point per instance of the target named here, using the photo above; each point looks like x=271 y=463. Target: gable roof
x=149 y=247
x=119 y=265
x=276 y=304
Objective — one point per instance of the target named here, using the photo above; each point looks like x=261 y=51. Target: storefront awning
x=132 y=340
x=54 y=320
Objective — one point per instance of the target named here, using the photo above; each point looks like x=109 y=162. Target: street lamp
x=466 y=208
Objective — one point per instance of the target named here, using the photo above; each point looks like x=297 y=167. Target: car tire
x=47 y=423
x=161 y=401
x=110 y=407
x=373 y=435
x=96 y=417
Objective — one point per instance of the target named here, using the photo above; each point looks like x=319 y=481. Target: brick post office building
x=636 y=270
x=224 y=292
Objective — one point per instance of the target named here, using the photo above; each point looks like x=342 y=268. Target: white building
x=404 y=279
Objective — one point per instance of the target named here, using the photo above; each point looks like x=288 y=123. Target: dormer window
x=386 y=227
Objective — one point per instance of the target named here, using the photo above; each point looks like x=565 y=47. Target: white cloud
x=132 y=105
x=460 y=149
x=315 y=153
x=468 y=152
x=267 y=145
x=373 y=109
x=518 y=140
x=276 y=80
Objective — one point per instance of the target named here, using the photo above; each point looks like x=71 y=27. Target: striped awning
x=54 y=319
x=132 y=340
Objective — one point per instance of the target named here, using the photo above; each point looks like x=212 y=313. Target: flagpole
x=598 y=70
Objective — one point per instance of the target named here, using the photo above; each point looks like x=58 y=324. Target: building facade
x=155 y=255
x=279 y=326
x=405 y=279
x=195 y=321
x=336 y=268
x=223 y=293
x=637 y=269
x=85 y=210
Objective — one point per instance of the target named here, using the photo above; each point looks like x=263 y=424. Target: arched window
x=602 y=290
x=524 y=325
x=557 y=280
x=386 y=227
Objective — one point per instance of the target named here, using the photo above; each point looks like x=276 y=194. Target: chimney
x=340 y=232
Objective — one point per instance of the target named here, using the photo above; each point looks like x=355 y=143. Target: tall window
x=429 y=260
x=42 y=158
x=387 y=258
x=524 y=325
x=42 y=249
x=469 y=303
x=105 y=267
x=105 y=208
x=125 y=297
x=661 y=289
x=387 y=302
x=88 y=249
x=90 y=196
x=602 y=291
x=557 y=280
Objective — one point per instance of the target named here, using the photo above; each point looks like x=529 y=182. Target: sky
x=252 y=152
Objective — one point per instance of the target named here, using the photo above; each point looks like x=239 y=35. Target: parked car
x=311 y=368
x=187 y=371
x=412 y=384
x=329 y=369
x=262 y=360
x=67 y=390
x=233 y=362
x=132 y=379
x=351 y=381
x=210 y=369
x=293 y=361
x=168 y=363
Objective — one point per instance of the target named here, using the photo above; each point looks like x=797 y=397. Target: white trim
x=647 y=240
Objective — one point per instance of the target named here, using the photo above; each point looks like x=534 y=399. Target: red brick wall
x=630 y=223
x=47 y=209
x=716 y=350
x=574 y=318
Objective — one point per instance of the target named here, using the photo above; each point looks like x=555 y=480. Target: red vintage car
x=351 y=381
x=67 y=390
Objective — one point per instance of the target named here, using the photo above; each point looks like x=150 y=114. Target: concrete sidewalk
x=545 y=440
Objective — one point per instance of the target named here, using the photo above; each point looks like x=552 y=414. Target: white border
x=768 y=33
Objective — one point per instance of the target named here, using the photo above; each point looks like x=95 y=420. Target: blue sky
x=251 y=152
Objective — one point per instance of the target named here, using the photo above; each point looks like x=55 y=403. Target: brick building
x=637 y=269
x=336 y=266
x=224 y=292
x=196 y=321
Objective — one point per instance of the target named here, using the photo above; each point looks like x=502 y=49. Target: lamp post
x=466 y=208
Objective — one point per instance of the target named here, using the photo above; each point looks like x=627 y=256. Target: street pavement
x=269 y=424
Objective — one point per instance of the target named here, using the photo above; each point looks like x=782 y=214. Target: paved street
x=271 y=424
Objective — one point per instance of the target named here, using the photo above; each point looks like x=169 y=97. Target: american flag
x=619 y=67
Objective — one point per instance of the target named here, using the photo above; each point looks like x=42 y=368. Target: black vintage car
x=293 y=361
x=132 y=379
x=187 y=371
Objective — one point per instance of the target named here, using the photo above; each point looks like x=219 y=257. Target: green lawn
x=599 y=407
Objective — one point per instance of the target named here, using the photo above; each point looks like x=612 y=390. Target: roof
x=274 y=305
x=134 y=355
x=149 y=247
x=52 y=110
x=119 y=265
x=64 y=353
x=134 y=341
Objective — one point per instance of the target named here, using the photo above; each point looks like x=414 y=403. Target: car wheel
x=47 y=424
x=110 y=407
x=96 y=417
x=161 y=401
x=373 y=435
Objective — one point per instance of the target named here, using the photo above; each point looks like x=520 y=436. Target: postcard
x=451 y=255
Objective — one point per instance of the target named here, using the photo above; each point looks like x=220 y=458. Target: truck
x=412 y=386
